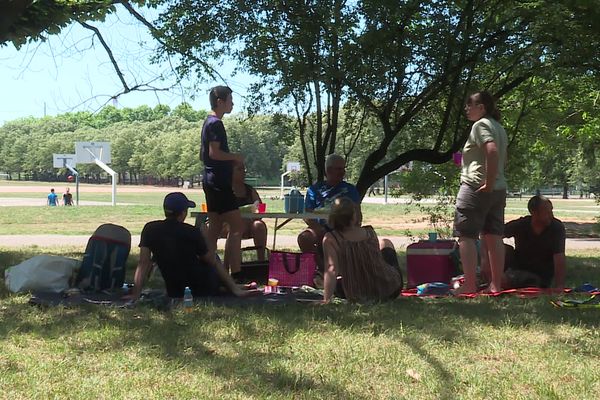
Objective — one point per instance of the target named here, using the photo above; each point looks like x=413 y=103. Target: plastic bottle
x=188 y=300
x=125 y=288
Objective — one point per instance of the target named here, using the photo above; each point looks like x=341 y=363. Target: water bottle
x=188 y=300
x=125 y=288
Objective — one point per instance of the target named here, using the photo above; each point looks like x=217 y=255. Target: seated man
x=181 y=253
x=322 y=195
x=539 y=253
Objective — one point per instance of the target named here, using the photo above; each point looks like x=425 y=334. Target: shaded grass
x=410 y=348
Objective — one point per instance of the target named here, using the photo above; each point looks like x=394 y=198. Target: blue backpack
x=103 y=265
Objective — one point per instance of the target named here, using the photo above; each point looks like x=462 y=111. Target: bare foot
x=464 y=289
x=491 y=290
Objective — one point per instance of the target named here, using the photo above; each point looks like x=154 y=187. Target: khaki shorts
x=479 y=212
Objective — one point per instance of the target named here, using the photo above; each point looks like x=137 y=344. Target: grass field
x=407 y=349
x=413 y=348
x=145 y=204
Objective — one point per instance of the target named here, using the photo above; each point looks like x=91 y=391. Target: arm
x=559 y=270
x=330 y=276
x=141 y=272
x=310 y=204
x=215 y=152
x=255 y=196
x=491 y=166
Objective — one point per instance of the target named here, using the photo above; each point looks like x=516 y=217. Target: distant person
x=181 y=253
x=67 y=198
x=358 y=266
x=322 y=195
x=52 y=198
x=252 y=228
x=538 y=258
x=482 y=195
x=217 y=178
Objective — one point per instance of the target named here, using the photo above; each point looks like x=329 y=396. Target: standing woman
x=482 y=195
x=217 y=179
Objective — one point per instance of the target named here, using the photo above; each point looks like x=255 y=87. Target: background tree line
x=554 y=129
x=148 y=145
x=381 y=82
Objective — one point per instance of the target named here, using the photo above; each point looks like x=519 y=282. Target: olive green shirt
x=473 y=158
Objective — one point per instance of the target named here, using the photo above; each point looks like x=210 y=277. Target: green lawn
x=407 y=349
x=143 y=206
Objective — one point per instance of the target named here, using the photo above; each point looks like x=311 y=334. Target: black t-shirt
x=217 y=173
x=535 y=253
x=176 y=248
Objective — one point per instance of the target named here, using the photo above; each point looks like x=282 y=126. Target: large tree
x=408 y=64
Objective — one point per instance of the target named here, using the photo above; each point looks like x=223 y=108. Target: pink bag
x=292 y=269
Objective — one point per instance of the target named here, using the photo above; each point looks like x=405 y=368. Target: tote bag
x=292 y=269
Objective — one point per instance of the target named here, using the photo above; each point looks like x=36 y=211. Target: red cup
x=457 y=158
x=262 y=208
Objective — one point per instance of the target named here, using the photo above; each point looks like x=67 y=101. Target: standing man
x=52 y=198
x=217 y=179
x=181 y=254
x=482 y=195
x=539 y=254
x=67 y=198
x=322 y=195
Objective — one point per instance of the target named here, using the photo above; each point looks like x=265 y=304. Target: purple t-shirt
x=216 y=173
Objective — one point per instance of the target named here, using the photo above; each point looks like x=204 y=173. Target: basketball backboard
x=62 y=160
x=86 y=152
x=292 y=166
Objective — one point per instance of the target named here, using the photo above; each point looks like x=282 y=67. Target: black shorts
x=479 y=212
x=219 y=200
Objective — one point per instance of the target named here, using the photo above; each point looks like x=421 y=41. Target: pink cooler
x=430 y=262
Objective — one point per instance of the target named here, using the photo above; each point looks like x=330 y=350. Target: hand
x=484 y=188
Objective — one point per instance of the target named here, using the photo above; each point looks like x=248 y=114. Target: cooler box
x=430 y=262
x=293 y=202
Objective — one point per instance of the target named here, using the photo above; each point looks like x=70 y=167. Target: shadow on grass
x=253 y=347
x=582 y=229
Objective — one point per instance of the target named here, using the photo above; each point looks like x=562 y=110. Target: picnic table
x=201 y=218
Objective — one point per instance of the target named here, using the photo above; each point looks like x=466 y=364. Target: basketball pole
x=113 y=175
x=74 y=172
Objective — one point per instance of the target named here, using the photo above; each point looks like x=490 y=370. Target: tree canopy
x=409 y=65
x=381 y=81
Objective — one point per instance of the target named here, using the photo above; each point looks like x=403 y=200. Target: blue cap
x=177 y=202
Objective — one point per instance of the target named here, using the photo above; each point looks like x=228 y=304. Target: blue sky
x=72 y=72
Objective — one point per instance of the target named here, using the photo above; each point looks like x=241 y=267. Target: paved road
x=285 y=241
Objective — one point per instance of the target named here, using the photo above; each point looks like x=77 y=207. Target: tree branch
x=109 y=52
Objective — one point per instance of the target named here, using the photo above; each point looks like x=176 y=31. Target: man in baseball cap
x=177 y=202
x=180 y=251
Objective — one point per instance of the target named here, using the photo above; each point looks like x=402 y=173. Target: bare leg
x=383 y=243
x=484 y=262
x=495 y=249
x=468 y=256
x=307 y=241
x=215 y=225
x=233 y=253
x=259 y=234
